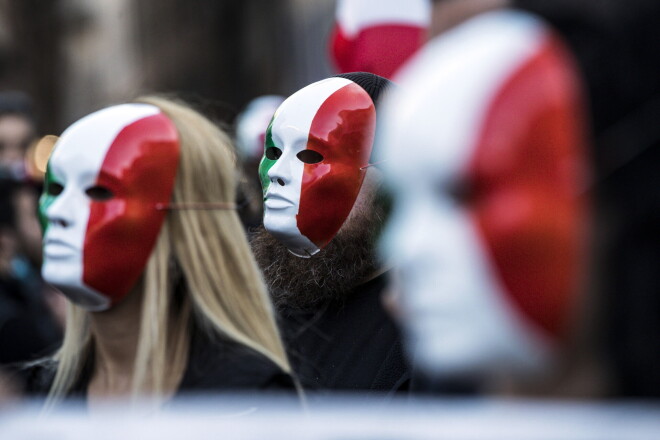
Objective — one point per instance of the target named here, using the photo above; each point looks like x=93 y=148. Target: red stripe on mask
x=140 y=169
x=343 y=132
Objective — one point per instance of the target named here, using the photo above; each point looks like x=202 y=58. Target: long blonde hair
x=207 y=251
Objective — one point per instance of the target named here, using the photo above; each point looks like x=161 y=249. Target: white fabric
x=355 y=15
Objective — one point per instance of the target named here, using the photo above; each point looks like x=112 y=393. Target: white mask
x=483 y=135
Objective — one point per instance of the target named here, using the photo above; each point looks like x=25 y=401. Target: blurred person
x=322 y=214
x=484 y=148
x=17 y=132
x=251 y=125
x=377 y=36
x=615 y=44
x=28 y=329
x=141 y=235
x=611 y=41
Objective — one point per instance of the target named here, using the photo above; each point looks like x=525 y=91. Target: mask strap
x=195 y=206
x=372 y=165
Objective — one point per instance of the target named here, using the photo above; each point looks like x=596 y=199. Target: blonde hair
x=207 y=251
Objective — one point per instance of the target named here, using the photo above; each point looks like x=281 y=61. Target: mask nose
x=280 y=172
x=61 y=211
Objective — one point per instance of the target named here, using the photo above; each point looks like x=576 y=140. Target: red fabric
x=381 y=50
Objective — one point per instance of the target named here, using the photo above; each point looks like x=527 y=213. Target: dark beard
x=330 y=275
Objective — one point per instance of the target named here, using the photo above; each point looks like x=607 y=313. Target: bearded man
x=322 y=214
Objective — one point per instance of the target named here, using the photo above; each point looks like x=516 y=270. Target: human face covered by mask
x=483 y=151
x=106 y=178
x=316 y=149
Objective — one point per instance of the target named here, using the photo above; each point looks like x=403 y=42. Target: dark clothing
x=214 y=366
x=217 y=365
x=28 y=329
x=351 y=346
x=616 y=46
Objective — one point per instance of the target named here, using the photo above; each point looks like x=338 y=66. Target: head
x=483 y=148
x=106 y=178
x=17 y=132
x=322 y=206
x=318 y=147
x=161 y=172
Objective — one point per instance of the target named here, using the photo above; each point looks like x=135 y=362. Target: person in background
x=610 y=41
x=141 y=235
x=377 y=36
x=614 y=45
x=484 y=149
x=28 y=328
x=322 y=214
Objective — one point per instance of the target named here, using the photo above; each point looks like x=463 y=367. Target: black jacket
x=347 y=346
x=215 y=366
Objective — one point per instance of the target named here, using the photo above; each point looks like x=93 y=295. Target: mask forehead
x=132 y=151
x=82 y=148
x=290 y=128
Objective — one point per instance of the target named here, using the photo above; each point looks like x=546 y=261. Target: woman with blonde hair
x=141 y=235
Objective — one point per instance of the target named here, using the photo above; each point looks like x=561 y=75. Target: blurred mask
x=252 y=123
x=484 y=153
x=106 y=176
x=316 y=149
x=377 y=36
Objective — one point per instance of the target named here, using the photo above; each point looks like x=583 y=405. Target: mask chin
x=282 y=226
x=294 y=241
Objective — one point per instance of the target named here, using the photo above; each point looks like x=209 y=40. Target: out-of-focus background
x=75 y=56
x=62 y=59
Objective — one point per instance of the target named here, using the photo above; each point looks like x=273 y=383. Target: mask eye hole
x=99 y=193
x=309 y=156
x=54 y=189
x=273 y=153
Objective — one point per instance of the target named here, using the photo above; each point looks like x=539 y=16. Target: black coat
x=347 y=346
x=215 y=366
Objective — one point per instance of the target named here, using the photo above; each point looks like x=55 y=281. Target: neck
x=450 y=13
x=116 y=333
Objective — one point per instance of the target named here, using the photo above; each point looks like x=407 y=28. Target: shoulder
x=218 y=364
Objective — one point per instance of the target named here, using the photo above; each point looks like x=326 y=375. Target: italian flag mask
x=484 y=146
x=106 y=176
x=317 y=146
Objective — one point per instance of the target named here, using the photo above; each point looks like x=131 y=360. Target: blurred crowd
x=468 y=207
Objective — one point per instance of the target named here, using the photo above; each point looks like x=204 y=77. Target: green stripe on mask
x=266 y=164
x=46 y=199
